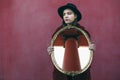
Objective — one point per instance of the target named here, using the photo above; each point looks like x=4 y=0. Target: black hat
x=72 y=7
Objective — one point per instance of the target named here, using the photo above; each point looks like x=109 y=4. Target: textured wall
x=26 y=27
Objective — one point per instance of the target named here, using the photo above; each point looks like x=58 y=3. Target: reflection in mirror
x=71 y=50
x=84 y=55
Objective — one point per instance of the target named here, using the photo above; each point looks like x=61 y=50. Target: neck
x=69 y=24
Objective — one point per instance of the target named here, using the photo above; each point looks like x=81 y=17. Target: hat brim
x=76 y=11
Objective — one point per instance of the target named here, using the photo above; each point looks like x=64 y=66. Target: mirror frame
x=72 y=73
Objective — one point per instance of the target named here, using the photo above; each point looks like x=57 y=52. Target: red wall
x=26 y=27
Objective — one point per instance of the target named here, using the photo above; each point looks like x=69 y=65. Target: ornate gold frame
x=72 y=73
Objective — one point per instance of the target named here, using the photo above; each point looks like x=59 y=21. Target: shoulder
x=83 y=28
x=60 y=27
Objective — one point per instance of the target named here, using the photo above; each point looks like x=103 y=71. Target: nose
x=65 y=16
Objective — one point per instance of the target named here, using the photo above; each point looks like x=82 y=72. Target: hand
x=92 y=47
x=50 y=49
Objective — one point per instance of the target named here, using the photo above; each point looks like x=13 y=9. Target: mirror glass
x=71 y=51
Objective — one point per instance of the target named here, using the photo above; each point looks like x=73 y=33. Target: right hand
x=50 y=49
x=92 y=47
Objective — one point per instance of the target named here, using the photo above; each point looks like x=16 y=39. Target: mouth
x=66 y=19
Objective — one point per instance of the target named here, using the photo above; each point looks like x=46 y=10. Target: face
x=69 y=16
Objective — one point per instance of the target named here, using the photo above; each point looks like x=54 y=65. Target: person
x=70 y=16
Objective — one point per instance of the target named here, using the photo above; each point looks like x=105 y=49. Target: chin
x=68 y=22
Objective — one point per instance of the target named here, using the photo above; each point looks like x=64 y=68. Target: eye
x=69 y=13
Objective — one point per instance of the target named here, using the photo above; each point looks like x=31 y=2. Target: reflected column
x=71 y=60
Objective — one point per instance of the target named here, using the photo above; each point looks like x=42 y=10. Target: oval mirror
x=71 y=53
